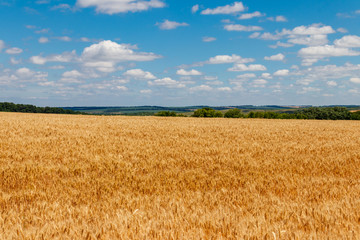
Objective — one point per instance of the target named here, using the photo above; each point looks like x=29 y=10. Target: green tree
x=234 y=113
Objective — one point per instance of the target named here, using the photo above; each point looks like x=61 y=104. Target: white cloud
x=281 y=44
x=312 y=40
x=280 y=19
x=139 y=74
x=166 y=82
x=2 y=45
x=331 y=83
x=64 y=38
x=28 y=75
x=43 y=40
x=349 y=41
x=314 y=29
x=146 y=91
x=246 y=76
x=242 y=28
x=277 y=19
x=259 y=83
x=85 y=39
x=221 y=59
x=210 y=78
x=342 y=30
x=201 y=88
x=311 y=55
x=62 y=7
x=266 y=75
x=14 y=50
x=239 y=67
x=313 y=35
x=250 y=15
x=73 y=76
x=104 y=55
x=225 y=89
x=64 y=57
x=281 y=73
x=216 y=83
x=277 y=57
x=192 y=72
x=355 y=80
x=195 y=8
x=120 y=6
x=208 y=39
x=45 y=30
x=14 y=61
x=266 y=36
x=236 y=7
x=168 y=25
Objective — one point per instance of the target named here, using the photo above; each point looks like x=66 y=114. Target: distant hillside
x=151 y=110
x=26 y=108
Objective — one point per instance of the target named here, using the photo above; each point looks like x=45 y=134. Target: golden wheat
x=92 y=177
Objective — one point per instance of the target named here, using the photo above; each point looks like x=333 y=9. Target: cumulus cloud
x=331 y=83
x=282 y=73
x=277 y=19
x=313 y=35
x=166 y=82
x=201 y=88
x=277 y=57
x=246 y=76
x=104 y=55
x=120 y=6
x=14 y=61
x=2 y=45
x=64 y=38
x=62 y=7
x=234 y=8
x=242 y=28
x=224 y=89
x=22 y=75
x=259 y=83
x=311 y=55
x=195 y=8
x=208 y=39
x=312 y=40
x=239 y=67
x=64 y=57
x=221 y=59
x=314 y=29
x=14 y=50
x=139 y=74
x=43 y=40
x=146 y=91
x=192 y=72
x=73 y=76
x=355 y=80
x=250 y=15
x=169 y=25
x=280 y=19
x=350 y=41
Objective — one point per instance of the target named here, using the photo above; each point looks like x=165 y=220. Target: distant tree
x=207 y=113
x=165 y=114
x=26 y=108
x=234 y=113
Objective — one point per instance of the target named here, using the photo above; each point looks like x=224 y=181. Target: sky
x=179 y=53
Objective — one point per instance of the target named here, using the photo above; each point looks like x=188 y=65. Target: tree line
x=26 y=108
x=321 y=113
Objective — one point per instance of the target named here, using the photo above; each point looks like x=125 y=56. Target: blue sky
x=176 y=53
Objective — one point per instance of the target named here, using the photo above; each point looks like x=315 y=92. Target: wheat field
x=96 y=177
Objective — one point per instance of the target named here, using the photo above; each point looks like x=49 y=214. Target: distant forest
x=350 y=112
x=26 y=108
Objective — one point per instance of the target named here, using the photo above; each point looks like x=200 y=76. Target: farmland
x=116 y=177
